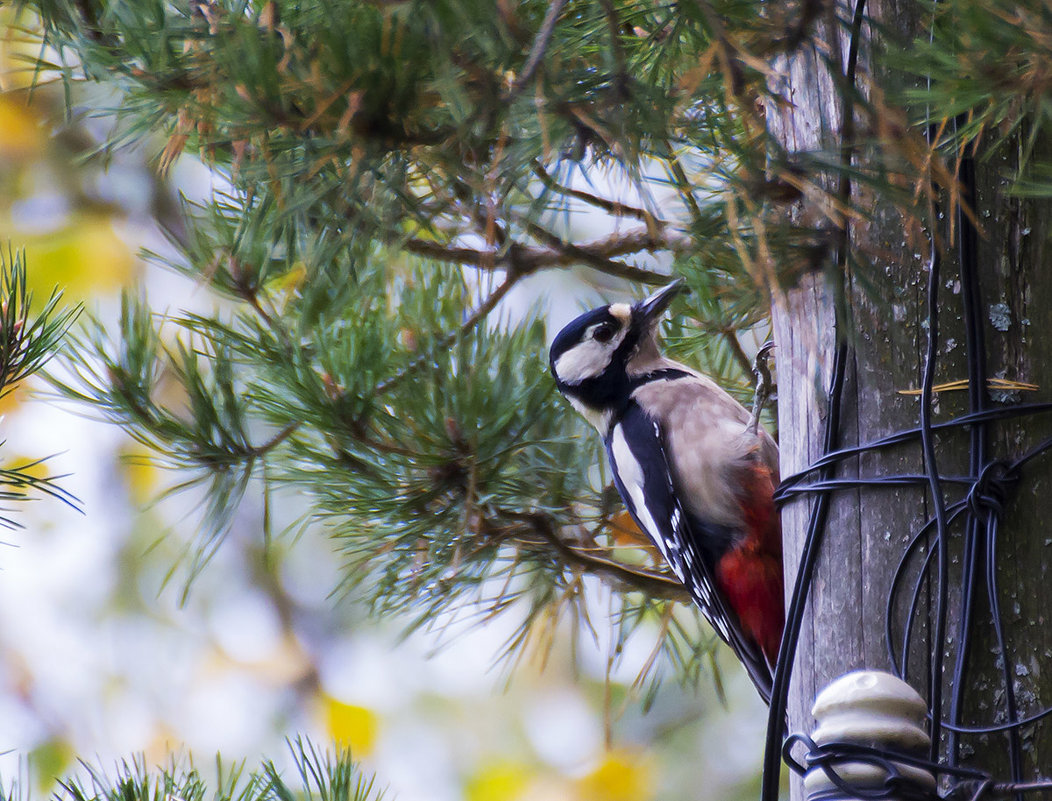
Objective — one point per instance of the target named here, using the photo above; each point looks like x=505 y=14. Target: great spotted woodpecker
x=693 y=472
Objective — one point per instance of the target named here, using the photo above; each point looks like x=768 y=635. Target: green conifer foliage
x=382 y=155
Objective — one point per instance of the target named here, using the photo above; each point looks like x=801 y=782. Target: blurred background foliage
x=323 y=247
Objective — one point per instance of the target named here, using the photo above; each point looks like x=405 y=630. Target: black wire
x=995 y=728
x=788 y=488
x=1015 y=752
x=954 y=511
x=801 y=589
x=831 y=757
x=982 y=506
x=935 y=489
x=891 y=481
x=974 y=550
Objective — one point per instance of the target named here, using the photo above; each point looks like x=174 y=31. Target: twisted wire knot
x=991 y=488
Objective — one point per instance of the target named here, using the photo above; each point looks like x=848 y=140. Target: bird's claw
x=762 y=376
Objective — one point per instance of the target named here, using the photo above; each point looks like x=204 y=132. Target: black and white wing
x=635 y=445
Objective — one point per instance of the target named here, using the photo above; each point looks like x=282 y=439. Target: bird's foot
x=762 y=375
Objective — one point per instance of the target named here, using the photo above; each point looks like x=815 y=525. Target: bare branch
x=600 y=254
x=277 y=439
x=683 y=184
x=613 y=24
x=655 y=585
x=610 y=206
x=521 y=260
x=730 y=336
x=440 y=252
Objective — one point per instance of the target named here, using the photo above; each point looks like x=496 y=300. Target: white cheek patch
x=587 y=359
x=581 y=361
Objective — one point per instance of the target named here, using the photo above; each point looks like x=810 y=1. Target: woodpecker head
x=592 y=357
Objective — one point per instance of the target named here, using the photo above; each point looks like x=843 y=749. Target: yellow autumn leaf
x=287 y=664
x=20 y=134
x=32 y=467
x=20 y=41
x=285 y=286
x=141 y=475
x=53 y=757
x=621 y=776
x=159 y=745
x=626 y=531
x=350 y=726
x=498 y=781
x=85 y=258
x=10 y=401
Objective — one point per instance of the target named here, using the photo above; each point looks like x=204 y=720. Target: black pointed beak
x=648 y=311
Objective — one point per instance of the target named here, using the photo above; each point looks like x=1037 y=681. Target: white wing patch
x=679 y=558
x=631 y=474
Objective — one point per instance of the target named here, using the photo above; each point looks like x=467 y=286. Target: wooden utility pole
x=884 y=320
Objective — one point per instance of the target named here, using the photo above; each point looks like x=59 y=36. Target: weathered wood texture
x=868 y=530
x=1016 y=313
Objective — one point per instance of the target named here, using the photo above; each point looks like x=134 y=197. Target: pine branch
x=599 y=254
x=735 y=345
x=537 y=51
x=362 y=147
x=653 y=585
x=28 y=339
x=456 y=255
x=480 y=313
x=322 y=777
x=523 y=259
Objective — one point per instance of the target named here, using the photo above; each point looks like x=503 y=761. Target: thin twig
x=617 y=49
x=730 y=336
x=682 y=184
x=440 y=252
x=655 y=585
x=726 y=50
x=609 y=206
x=540 y=46
x=659 y=641
x=483 y=309
x=277 y=439
x=485 y=220
x=599 y=254
x=523 y=259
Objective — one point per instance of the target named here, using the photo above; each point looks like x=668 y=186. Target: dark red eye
x=604 y=333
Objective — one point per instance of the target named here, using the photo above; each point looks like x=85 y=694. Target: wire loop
x=991 y=489
x=968 y=784
x=833 y=756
